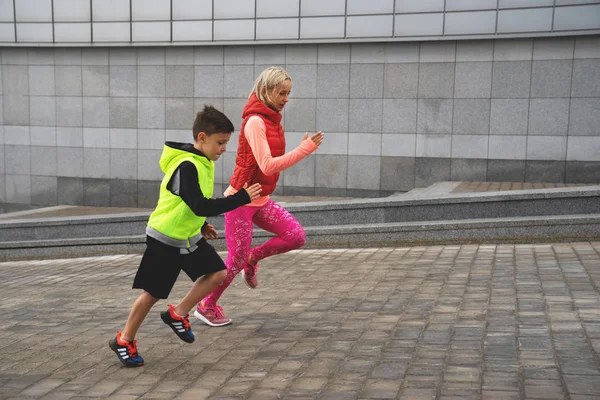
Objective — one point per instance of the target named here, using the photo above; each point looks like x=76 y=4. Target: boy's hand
x=253 y=191
x=317 y=138
x=209 y=232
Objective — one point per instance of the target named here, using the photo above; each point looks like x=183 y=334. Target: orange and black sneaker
x=180 y=325
x=126 y=351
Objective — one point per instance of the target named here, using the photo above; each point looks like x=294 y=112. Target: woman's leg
x=275 y=219
x=238 y=235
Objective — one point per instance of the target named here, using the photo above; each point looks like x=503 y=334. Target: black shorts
x=161 y=264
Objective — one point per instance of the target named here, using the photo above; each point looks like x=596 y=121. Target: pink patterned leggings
x=238 y=234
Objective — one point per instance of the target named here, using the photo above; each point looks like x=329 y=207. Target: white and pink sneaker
x=249 y=274
x=211 y=315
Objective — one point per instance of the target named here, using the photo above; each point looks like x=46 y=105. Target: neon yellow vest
x=172 y=217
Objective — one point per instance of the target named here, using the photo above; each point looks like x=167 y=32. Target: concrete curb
x=528 y=203
x=495 y=230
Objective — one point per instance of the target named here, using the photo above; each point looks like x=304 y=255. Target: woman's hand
x=253 y=191
x=317 y=138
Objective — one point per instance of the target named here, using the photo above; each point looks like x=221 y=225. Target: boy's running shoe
x=180 y=325
x=249 y=274
x=212 y=316
x=126 y=351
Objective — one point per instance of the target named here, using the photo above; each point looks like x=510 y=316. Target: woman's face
x=278 y=98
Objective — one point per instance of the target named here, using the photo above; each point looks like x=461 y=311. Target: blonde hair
x=268 y=80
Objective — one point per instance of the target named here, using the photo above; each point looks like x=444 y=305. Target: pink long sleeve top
x=255 y=132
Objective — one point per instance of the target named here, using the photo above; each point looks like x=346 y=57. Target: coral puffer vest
x=246 y=168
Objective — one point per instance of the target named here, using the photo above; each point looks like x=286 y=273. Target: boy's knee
x=148 y=298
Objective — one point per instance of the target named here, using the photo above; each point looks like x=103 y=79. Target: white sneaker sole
x=206 y=321
x=246 y=282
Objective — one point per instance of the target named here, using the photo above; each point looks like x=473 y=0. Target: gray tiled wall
x=86 y=125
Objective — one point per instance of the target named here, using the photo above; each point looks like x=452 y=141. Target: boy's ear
x=201 y=137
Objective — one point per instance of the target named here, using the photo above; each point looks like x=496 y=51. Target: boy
x=177 y=231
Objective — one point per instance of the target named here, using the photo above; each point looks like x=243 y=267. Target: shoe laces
x=219 y=311
x=186 y=322
x=132 y=348
x=251 y=270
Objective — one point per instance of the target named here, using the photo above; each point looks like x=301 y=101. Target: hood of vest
x=173 y=152
x=255 y=106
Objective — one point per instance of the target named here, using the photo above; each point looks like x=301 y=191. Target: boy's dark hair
x=210 y=120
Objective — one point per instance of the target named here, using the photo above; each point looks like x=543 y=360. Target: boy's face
x=212 y=146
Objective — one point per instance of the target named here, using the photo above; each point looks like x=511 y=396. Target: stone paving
x=439 y=322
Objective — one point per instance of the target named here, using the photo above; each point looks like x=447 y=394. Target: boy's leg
x=275 y=219
x=156 y=275
x=201 y=288
x=138 y=313
x=238 y=235
x=124 y=344
x=177 y=317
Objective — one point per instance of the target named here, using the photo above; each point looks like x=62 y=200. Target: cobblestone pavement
x=439 y=322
